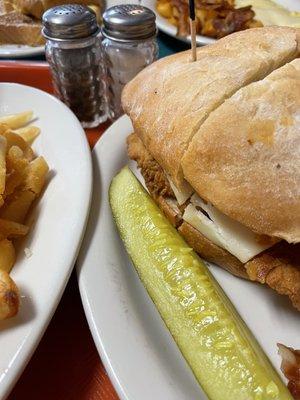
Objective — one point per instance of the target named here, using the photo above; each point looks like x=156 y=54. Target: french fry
x=3 y=145
x=7 y=255
x=10 y=229
x=13 y=139
x=29 y=133
x=3 y=128
x=164 y=9
x=22 y=177
x=36 y=175
x=16 y=165
x=14 y=180
x=16 y=121
x=17 y=206
x=9 y=296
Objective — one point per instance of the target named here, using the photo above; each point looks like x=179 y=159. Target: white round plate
x=138 y=351
x=60 y=219
x=20 y=51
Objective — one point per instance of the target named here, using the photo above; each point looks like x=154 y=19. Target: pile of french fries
x=22 y=178
x=214 y=18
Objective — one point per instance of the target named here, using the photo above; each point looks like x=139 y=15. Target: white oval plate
x=54 y=240
x=20 y=51
x=138 y=351
x=169 y=29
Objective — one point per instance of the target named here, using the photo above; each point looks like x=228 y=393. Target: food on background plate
x=22 y=178
x=36 y=8
x=218 y=18
x=214 y=18
x=217 y=141
x=270 y=12
x=290 y=366
x=6 y=6
x=20 y=29
x=20 y=20
x=9 y=296
x=225 y=358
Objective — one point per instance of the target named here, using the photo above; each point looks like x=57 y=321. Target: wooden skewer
x=193 y=39
x=193 y=29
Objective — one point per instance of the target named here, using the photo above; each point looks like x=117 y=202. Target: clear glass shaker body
x=124 y=60
x=78 y=73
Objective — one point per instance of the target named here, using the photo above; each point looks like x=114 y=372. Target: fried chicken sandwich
x=218 y=144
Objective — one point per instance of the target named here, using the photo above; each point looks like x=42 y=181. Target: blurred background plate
x=162 y=23
x=169 y=29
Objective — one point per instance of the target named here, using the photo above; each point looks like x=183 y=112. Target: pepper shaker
x=74 y=52
x=129 y=45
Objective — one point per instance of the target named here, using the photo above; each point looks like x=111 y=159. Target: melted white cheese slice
x=223 y=230
x=183 y=194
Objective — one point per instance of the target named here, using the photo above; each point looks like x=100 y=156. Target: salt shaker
x=74 y=52
x=129 y=44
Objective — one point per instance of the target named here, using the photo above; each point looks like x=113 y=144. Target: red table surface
x=66 y=365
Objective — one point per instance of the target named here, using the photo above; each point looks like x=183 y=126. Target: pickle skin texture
x=222 y=353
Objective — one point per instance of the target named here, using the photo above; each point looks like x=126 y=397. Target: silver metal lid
x=128 y=22
x=69 y=22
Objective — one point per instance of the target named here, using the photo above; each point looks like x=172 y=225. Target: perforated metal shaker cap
x=69 y=22
x=127 y=22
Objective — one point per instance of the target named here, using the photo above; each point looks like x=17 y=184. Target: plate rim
x=32 y=341
x=23 y=51
x=101 y=345
x=170 y=30
x=83 y=292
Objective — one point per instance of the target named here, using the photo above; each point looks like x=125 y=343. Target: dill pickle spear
x=224 y=356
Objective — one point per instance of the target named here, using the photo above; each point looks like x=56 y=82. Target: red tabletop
x=66 y=365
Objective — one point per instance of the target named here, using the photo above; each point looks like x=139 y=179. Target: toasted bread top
x=245 y=158
x=169 y=100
